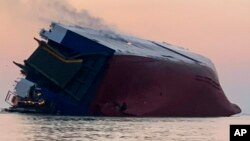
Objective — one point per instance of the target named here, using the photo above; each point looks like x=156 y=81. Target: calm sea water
x=23 y=127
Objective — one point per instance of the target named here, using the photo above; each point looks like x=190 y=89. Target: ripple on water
x=63 y=128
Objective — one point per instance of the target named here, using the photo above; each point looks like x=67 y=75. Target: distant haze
x=218 y=29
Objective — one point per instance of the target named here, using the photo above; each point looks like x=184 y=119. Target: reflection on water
x=16 y=127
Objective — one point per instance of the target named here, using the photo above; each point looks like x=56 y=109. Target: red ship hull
x=145 y=87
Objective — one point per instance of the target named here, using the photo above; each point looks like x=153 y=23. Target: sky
x=217 y=29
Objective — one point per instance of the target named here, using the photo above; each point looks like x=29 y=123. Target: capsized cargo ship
x=83 y=71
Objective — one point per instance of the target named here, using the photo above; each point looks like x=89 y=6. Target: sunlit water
x=23 y=127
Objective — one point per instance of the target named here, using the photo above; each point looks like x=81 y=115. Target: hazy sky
x=218 y=29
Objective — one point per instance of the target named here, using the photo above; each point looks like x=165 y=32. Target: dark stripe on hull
x=140 y=86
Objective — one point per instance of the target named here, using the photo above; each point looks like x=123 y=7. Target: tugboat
x=83 y=71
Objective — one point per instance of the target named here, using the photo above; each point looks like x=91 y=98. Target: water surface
x=23 y=127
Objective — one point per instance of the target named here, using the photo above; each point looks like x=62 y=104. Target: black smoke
x=47 y=11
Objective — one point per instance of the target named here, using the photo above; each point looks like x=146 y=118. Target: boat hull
x=82 y=71
x=148 y=87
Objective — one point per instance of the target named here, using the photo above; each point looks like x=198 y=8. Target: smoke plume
x=46 y=11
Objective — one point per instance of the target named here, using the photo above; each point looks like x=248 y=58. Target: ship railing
x=11 y=98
